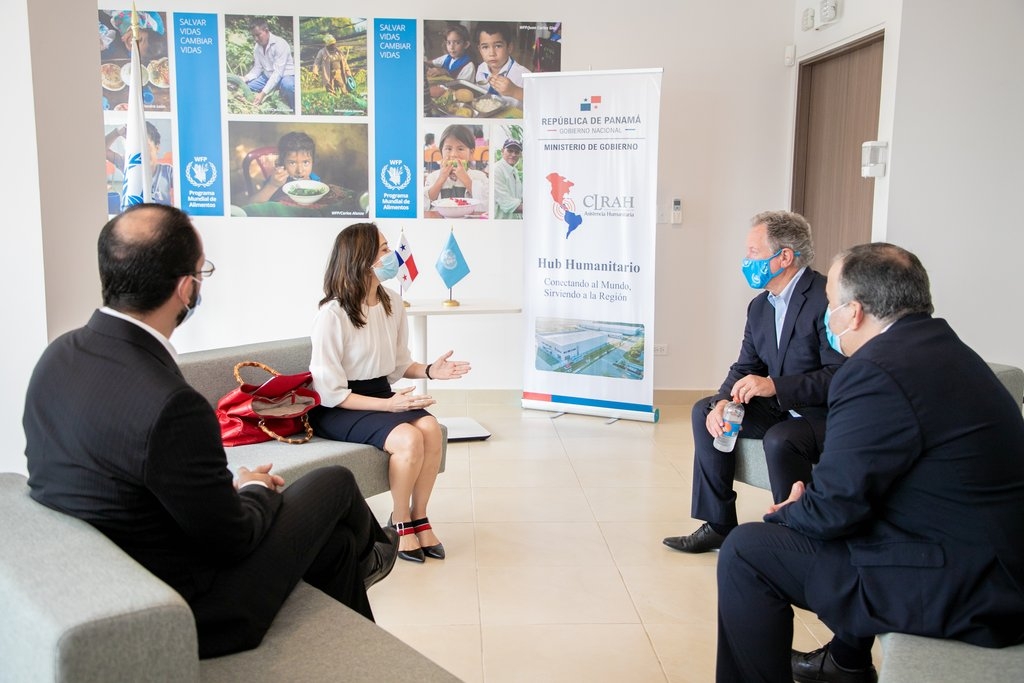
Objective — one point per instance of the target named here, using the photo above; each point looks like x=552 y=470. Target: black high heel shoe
x=435 y=551
x=405 y=529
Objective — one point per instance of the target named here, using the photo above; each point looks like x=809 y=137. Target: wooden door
x=838 y=97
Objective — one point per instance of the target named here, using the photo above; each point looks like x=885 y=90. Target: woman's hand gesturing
x=442 y=368
x=405 y=400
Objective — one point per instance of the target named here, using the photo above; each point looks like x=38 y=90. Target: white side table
x=459 y=428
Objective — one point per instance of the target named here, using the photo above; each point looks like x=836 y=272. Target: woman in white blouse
x=360 y=346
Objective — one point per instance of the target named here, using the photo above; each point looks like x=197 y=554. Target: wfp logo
x=591 y=103
x=201 y=172
x=395 y=175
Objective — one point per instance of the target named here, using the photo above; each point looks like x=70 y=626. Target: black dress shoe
x=702 y=540
x=406 y=529
x=381 y=559
x=435 y=551
x=818 y=666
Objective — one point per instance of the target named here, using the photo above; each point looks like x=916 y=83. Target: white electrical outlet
x=661 y=349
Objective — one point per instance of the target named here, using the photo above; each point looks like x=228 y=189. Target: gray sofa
x=913 y=659
x=211 y=373
x=77 y=608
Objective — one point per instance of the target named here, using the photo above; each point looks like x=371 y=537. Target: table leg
x=459 y=428
x=419 y=344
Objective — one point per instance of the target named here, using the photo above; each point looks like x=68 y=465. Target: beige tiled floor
x=555 y=569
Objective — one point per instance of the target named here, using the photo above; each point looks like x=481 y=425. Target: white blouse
x=342 y=351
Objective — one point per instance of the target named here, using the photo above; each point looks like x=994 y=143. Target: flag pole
x=401 y=287
x=450 y=302
x=137 y=184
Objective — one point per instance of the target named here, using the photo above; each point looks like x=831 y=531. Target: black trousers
x=792 y=447
x=322 y=530
x=763 y=570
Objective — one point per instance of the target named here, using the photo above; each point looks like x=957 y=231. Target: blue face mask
x=759 y=271
x=388 y=267
x=833 y=339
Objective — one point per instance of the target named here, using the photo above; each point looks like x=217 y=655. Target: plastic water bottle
x=732 y=416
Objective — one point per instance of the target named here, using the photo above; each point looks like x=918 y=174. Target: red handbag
x=275 y=409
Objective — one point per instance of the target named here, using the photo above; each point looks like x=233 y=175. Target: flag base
x=450 y=302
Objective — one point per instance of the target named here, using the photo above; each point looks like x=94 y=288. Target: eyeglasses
x=207 y=269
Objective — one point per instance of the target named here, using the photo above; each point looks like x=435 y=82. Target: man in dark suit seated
x=782 y=377
x=913 y=522
x=116 y=437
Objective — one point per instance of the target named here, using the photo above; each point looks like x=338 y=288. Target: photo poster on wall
x=283 y=127
x=589 y=242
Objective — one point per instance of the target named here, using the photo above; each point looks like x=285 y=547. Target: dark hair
x=153 y=133
x=460 y=29
x=888 y=281
x=260 y=23
x=142 y=253
x=295 y=142
x=347 y=277
x=494 y=28
x=461 y=133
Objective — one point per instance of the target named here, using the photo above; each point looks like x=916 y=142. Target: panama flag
x=451 y=264
x=138 y=181
x=406 y=264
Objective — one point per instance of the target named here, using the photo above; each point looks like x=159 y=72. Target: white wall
x=958 y=165
x=24 y=335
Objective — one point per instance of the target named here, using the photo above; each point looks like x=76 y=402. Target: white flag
x=138 y=181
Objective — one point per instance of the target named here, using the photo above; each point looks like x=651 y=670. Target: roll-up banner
x=590 y=185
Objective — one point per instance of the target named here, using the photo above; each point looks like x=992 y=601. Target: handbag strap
x=253 y=364
x=305 y=423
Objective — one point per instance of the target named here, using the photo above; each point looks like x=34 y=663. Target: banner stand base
x=615 y=413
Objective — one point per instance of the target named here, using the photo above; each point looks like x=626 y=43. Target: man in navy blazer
x=914 y=519
x=117 y=437
x=782 y=377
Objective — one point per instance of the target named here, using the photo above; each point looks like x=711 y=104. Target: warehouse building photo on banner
x=298 y=169
x=475 y=69
x=115 y=59
x=590 y=347
x=332 y=66
x=459 y=187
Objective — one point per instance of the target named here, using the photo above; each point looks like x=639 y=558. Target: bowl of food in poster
x=305 y=192
x=489 y=105
x=110 y=75
x=456 y=207
x=160 y=72
x=126 y=74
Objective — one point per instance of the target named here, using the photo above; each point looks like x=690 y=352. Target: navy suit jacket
x=921 y=488
x=802 y=363
x=115 y=436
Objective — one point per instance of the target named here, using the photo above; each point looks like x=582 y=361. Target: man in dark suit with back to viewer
x=914 y=519
x=116 y=437
x=782 y=376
